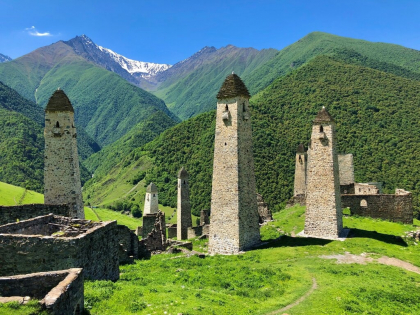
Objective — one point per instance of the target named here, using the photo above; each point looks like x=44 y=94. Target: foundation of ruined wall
x=234 y=220
x=148 y=224
x=128 y=245
x=30 y=246
x=263 y=211
x=396 y=208
x=11 y=214
x=60 y=292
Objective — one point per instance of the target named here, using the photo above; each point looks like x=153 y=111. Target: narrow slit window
x=321 y=129
x=226 y=107
x=57 y=125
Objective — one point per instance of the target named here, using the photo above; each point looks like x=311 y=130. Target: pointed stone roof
x=59 y=102
x=300 y=148
x=323 y=116
x=182 y=173
x=232 y=87
x=151 y=188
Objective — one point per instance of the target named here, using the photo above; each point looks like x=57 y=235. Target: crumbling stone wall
x=95 y=250
x=263 y=211
x=60 y=292
x=10 y=214
x=234 y=212
x=148 y=224
x=204 y=217
x=61 y=164
x=396 y=208
x=129 y=245
x=365 y=189
x=346 y=169
x=156 y=239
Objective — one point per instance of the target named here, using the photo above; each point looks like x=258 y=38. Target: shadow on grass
x=288 y=241
x=386 y=238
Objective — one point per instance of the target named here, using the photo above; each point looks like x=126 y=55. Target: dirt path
x=298 y=301
x=348 y=258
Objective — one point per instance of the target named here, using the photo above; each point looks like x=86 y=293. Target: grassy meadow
x=264 y=280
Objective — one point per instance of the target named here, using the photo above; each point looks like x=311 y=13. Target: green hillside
x=376 y=115
x=194 y=91
x=318 y=43
x=105 y=105
x=11 y=195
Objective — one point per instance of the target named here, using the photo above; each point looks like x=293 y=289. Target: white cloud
x=34 y=32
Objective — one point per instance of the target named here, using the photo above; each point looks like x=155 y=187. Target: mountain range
x=4 y=58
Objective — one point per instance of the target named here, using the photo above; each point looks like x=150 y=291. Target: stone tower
x=61 y=163
x=234 y=211
x=300 y=172
x=323 y=200
x=183 y=210
x=151 y=200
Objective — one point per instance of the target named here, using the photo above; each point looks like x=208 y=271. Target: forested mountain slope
x=376 y=115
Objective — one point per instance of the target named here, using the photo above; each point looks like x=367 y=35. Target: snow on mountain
x=4 y=58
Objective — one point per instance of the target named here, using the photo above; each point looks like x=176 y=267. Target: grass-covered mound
x=31 y=308
x=270 y=278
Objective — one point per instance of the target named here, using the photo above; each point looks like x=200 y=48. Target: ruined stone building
x=151 y=208
x=183 y=209
x=234 y=211
x=323 y=200
x=61 y=164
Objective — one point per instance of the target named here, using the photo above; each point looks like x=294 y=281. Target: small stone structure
x=183 y=210
x=59 y=292
x=300 y=171
x=323 y=200
x=156 y=239
x=11 y=214
x=396 y=208
x=366 y=189
x=148 y=224
x=61 y=164
x=52 y=242
x=172 y=230
x=151 y=203
x=234 y=221
x=264 y=212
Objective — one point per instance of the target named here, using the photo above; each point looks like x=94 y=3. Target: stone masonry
x=54 y=243
x=323 y=201
x=234 y=212
x=61 y=164
x=59 y=292
x=264 y=212
x=11 y=214
x=183 y=210
x=346 y=169
x=300 y=171
x=151 y=203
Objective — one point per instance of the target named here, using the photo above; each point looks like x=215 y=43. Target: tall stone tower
x=151 y=204
x=300 y=172
x=183 y=210
x=323 y=199
x=61 y=163
x=234 y=211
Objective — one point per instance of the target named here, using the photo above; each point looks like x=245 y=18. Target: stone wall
x=61 y=163
x=156 y=239
x=323 y=203
x=204 y=217
x=148 y=224
x=129 y=245
x=347 y=189
x=300 y=174
x=60 y=292
x=95 y=250
x=172 y=230
x=13 y=213
x=365 y=189
x=234 y=212
x=263 y=212
x=396 y=208
x=195 y=231
x=346 y=169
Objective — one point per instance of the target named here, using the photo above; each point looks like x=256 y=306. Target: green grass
x=269 y=278
x=11 y=195
x=31 y=308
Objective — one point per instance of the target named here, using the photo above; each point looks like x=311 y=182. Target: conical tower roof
x=151 y=188
x=323 y=116
x=182 y=173
x=59 y=102
x=232 y=87
x=300 y=148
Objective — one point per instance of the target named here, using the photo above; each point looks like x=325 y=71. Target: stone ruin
x=156 y=240
x=183 y=210
x=363 y=199
x=59 y=292
x=11 y=214
x=151 y=209
x=264 y=213
x=52 y=242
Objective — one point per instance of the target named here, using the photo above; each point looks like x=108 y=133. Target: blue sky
x=172 y=30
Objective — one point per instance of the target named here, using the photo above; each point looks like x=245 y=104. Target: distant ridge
x=4 y=58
